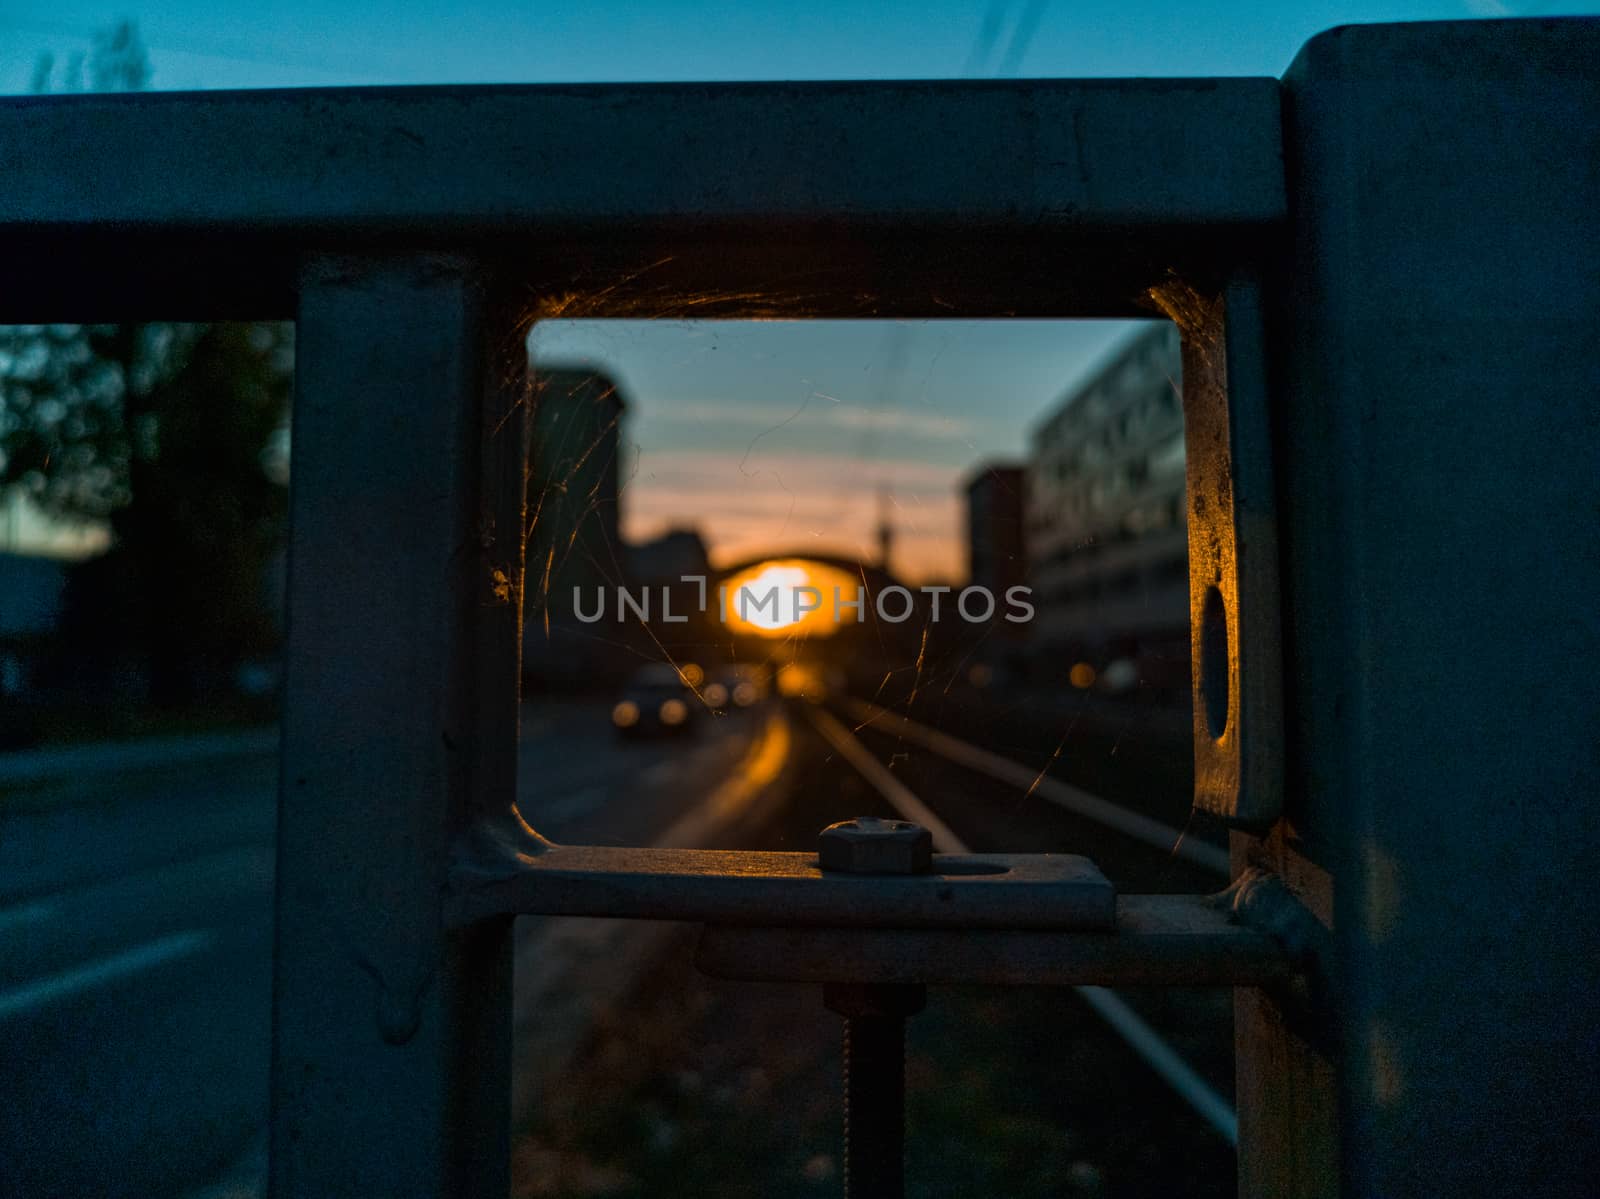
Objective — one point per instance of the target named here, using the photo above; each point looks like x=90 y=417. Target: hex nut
x=868 y=845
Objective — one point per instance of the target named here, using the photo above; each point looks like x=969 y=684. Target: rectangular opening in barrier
x=975 y=524
x=914 y=516
x=783 y=573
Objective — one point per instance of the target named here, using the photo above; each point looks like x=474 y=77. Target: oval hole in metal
x=1214 y=663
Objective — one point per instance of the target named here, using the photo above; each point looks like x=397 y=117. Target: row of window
x=1141 y=389
x=1163 y=574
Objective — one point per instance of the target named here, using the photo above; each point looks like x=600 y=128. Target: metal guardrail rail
x=1160 y=837
x=1361 y=258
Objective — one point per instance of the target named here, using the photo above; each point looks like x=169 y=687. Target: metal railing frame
x=1336 y=247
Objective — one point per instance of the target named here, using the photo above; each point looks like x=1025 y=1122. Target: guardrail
x=1382 y=269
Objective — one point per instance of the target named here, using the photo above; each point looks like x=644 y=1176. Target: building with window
x=1105 y=531
x=996 y=557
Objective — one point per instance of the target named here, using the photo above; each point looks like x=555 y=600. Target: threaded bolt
x=875 y=1015
x=874 y=1083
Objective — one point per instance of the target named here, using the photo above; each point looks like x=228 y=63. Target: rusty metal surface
x=1175 y=940
x=1236 y=643
x=963 y=890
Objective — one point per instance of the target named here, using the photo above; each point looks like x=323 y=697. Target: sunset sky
x=777 y=436
x=772 y=435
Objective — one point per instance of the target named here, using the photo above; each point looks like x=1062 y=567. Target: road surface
x=135 y=920
x=136 y=942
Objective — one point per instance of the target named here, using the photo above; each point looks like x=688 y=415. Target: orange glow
x=745 y=785
x=791 y=597
x=1082 y=676
x=795 y=679
x=766 y=758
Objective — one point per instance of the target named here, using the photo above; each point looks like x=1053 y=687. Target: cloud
x=844 y=472
x=818 y=411
x=722 y=412
x=791 y=502
x=901 y=420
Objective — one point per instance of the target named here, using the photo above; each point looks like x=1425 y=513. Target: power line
x=1022 y=36
x=988 y=35
x=229 y=51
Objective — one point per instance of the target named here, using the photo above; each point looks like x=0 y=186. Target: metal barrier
x=1365 y=259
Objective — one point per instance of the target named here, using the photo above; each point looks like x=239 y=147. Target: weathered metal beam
x=1166 y=940
x=963 y=890
x=977 y=198
x=506 y=161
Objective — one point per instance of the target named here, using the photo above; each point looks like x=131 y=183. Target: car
x=657 y=701
x=732 y=687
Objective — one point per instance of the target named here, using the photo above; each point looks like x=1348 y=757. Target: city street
x=136 y=932
x=135 y=920
x=693 y=1086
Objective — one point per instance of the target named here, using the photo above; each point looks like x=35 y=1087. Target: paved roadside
x=74 y=774
x=578 y=785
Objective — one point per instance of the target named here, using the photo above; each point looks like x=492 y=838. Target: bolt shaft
x=874 y=1107
x=875 y=1015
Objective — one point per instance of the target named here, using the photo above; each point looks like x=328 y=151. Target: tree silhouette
x=172 y=437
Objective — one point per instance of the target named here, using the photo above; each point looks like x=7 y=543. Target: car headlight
x=673 y=711
x=625 y=715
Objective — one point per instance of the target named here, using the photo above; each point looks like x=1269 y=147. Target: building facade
x=1107 y=545
x=996 y=553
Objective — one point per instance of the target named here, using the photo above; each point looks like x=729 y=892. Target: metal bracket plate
x=1013 y=891
x=1234 y=621
x=1162 y=940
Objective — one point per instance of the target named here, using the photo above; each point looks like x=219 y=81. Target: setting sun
x=790 y=597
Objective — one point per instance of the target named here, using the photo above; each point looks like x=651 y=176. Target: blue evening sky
x=775 y=435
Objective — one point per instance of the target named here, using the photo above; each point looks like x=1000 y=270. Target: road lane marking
x=750 y=780
x=1164 y=1060
x=1080 y=803
x=900 y=797
x=34 y=912
x=551 y=1013
x=46 y=991
x=1105 y=1003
